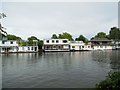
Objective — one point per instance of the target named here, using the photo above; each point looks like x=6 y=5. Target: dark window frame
x=47 y=41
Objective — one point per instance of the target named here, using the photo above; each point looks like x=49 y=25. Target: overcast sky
x=42 y=19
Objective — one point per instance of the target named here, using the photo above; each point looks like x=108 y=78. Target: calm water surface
x=58 y=69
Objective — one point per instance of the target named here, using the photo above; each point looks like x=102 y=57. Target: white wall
x=8 y=43
x=102 y=47
x=77 y=45
x=60 y=41
x=25 y=49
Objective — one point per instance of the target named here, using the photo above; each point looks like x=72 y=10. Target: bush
x=112 y=81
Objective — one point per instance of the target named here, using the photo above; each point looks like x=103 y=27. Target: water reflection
x=58 y=69
x=110 y=58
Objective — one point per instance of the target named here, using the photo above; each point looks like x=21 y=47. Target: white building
x=28 y=49
x=11 y=46
x=79 y=46
x=56 y=45
x=8 y=46
x=64 y=45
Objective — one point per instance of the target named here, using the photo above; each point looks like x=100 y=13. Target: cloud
x=45 y=18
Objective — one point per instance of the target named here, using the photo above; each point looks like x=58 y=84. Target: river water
x=58 y=69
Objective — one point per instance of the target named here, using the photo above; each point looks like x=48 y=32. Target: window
x=57 y=41
x=88 y=46
x=3 y=42
x=52 y=41
x=32 y=48
x=28 y=48
x=73 y=46
x=47 y=41
x=11 y=42
x=82 y=46
x=64 y=41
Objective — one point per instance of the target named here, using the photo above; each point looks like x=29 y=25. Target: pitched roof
x=100 y=39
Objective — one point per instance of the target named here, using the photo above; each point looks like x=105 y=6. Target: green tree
x=13 y=37
x=81 y=38
x=54 y=36
x=101 y=35
x=32 y=38
x=65 y=35
x=114 y=33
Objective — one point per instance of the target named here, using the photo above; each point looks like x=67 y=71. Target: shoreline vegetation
x=111 y=82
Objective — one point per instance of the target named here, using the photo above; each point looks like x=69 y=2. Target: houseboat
x=64 y=45
x=12 y=46
x=101 y=44
x=30 y=49
x=79 y=46
x=7 y=46
x=56 y=45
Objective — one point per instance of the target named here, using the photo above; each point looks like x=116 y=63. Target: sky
x=42 y=19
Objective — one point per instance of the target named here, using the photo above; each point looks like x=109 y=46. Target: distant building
x=56 y=45
x=11 y=46
x=101 y=44
x=7 y=46
x=64 y=45
x=28 y=49
x=79 y=46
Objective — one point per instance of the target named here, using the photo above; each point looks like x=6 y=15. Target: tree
x=114 y=33
x=32 y=38
x=111 y=82
x=81 y=38
x=2 y=15
x=54 y=36
x=13 y=37
x=65 y=35
x=101 y=35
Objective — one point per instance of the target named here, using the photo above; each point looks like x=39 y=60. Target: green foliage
x=65 y=35
x=13 y=37
x=81 y=38
x=32 y=38
x=112 y=81
x=114 y=33
x=22 y=43
x=54 y=36
x=31 y=42
x=40 y=43
x=101 y=35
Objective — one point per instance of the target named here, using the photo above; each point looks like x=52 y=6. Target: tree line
x=114 y=34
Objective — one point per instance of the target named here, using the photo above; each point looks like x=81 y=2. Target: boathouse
x=101 y=44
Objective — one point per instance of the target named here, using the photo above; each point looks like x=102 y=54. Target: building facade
x=101 y=44
x=7 y=46
x=11 y=46
x=79 y=46
x=56 y=45
x=64 y=45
